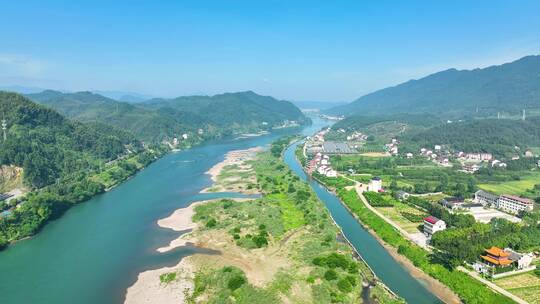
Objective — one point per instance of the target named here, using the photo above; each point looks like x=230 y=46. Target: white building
x=486 y=198
x=375 y=184
x=523 y=260
x=432 y=225
x=409 y=155
x=331 y=173
x=438 y=147
x=514 y=204
x=185 y=136
x=479 y=156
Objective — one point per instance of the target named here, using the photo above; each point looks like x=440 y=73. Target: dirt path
x=433 y=285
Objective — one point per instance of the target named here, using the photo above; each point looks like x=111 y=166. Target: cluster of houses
x=357 y=136
x=437 y=155
x=505 y=202
x=314 y=144
x=470 y=161
x=177 y=140
x=286 y=124
x=321 y=164
x=392 y=147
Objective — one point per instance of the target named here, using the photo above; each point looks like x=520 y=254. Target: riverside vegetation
x=292 y=232
x=467 y=288
x=65 y=162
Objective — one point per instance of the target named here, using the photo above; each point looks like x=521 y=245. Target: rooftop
x=519 y=199
x=337 y=148
x=496 y=251
x=431 y=219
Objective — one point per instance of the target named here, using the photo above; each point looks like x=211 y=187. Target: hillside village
x=334 y=159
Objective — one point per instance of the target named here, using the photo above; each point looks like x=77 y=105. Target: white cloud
x=20 y=66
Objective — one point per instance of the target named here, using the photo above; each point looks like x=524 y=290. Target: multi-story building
x=485 y=198
x=375 y=184
x=514 y=204
x=432 y=225
x=508 y=203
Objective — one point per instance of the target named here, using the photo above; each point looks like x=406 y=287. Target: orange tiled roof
x=495 y=251
x=502 y=262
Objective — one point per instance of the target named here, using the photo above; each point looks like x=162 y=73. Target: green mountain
x=508 y=88
x=497 y=136
x=159 y=119
x=237 y=110
x=48 y=146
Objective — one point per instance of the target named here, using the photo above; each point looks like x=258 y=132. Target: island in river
x=281 y=247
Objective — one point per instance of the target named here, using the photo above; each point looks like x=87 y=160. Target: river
x=94 y=252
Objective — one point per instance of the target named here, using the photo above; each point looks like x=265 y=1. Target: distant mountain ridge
x=508 y=87
x=158 y=118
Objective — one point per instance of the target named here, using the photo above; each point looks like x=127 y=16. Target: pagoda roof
x=498 y=252
x=501 y=262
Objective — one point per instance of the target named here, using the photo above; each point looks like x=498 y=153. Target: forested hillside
x=63 y=162
x=160 y=119
x=357 y=122
x=498 y=136
x=47 y=145
x=509 y=88
x=242 y=109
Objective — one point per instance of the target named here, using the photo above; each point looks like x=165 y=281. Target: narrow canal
x=389 y=271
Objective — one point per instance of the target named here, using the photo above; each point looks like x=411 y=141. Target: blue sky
x=300 y=50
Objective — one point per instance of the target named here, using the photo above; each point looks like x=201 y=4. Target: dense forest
x=510 y=88
x=497 y=136
x=159 y=119
x=47 y=145
x=64 y=162
x=358 y=122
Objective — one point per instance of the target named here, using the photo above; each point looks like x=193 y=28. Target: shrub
x=330 y=275
x=167 y=277
x=236 y=282
x=211 y=223
x=344 y=285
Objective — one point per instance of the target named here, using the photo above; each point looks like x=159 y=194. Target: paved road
x=360 y=188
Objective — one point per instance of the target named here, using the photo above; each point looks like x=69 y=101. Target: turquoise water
x=382 y=263
x=95 y=251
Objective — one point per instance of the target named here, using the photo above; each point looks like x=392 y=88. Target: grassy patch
x=519 y=187
x=167 y=278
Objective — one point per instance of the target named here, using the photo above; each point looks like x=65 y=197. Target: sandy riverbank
x=234 y=173
x=148 y=288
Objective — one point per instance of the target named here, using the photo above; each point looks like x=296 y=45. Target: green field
x=519 y=187
x=395 y=214
x=525 y=286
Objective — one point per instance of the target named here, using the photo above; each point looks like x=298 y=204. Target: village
x=324 y=160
